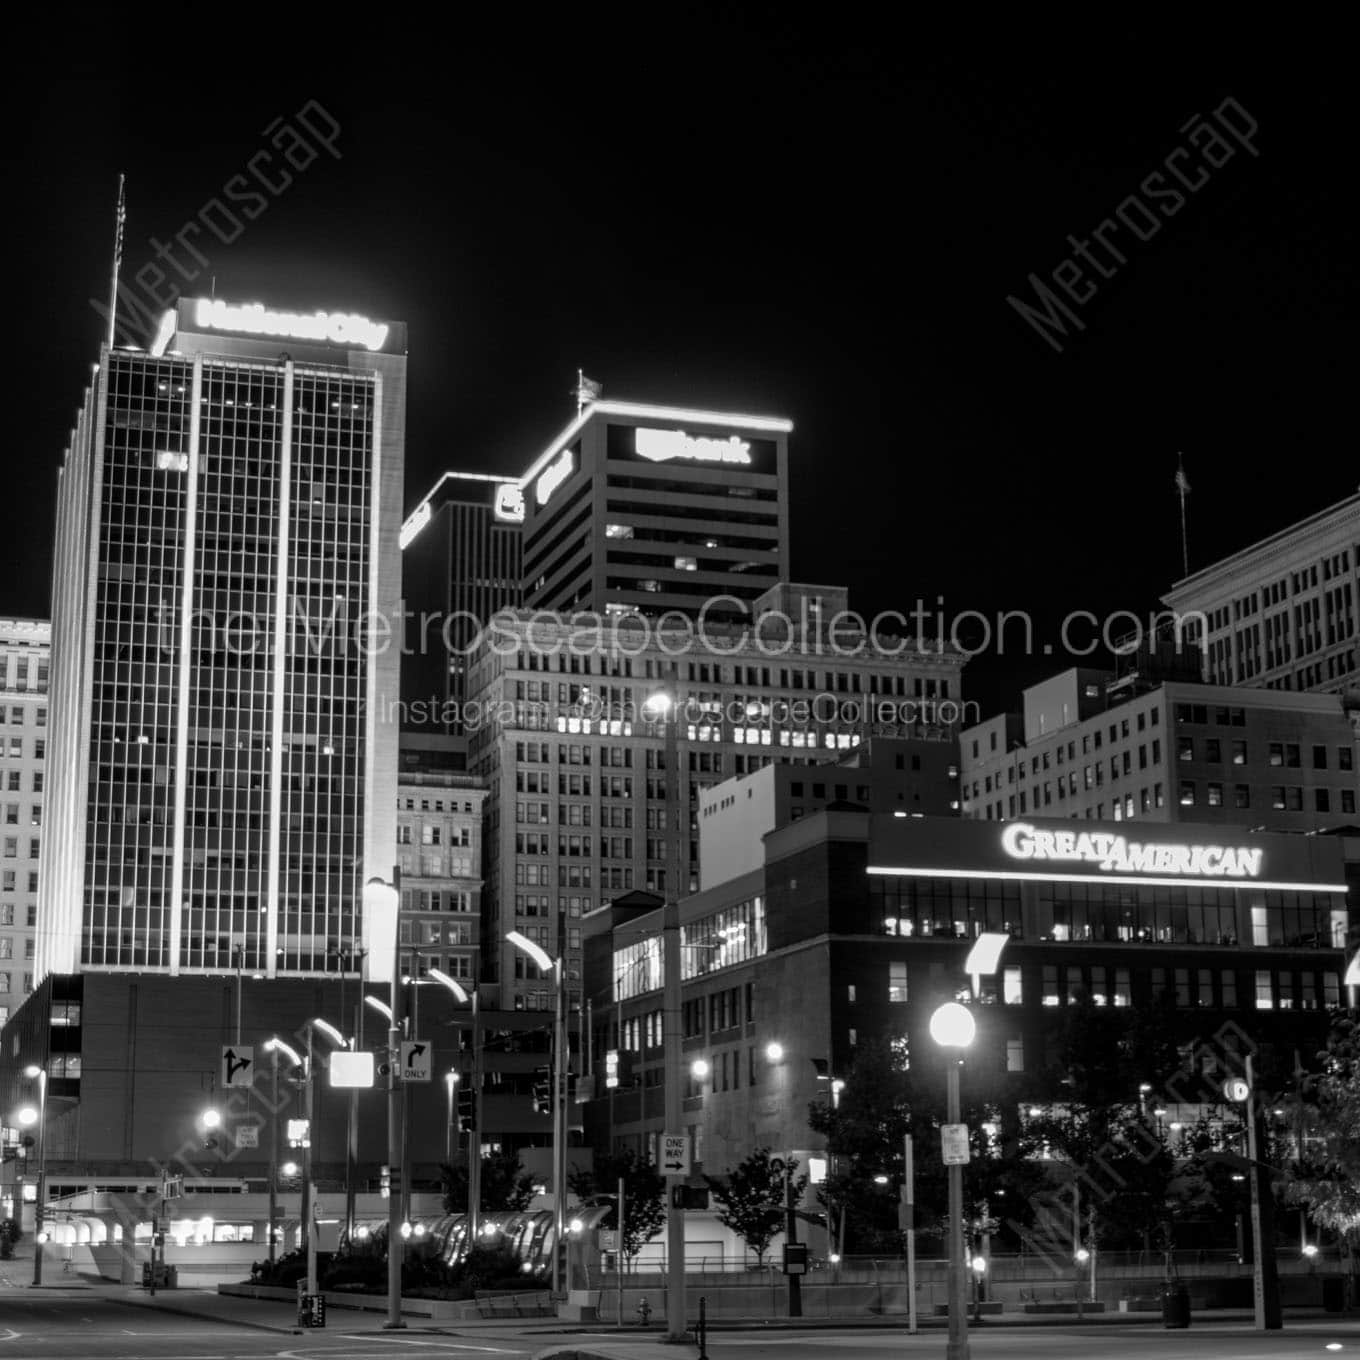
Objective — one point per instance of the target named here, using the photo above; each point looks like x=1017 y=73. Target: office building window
x=1265 y=999
x=1228 y=983
x=1015 y=1054
x=897 y=982
x=1012 y=990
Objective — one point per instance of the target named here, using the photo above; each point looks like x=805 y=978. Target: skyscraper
x=25 y=655
x=223 y=697
x=643 y=508
x=461 y=555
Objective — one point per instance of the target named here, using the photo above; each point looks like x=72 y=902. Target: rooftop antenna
x=587 y=390
x=1183 y=488
x=119 y=217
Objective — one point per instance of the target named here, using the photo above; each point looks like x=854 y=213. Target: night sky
x=755 y=212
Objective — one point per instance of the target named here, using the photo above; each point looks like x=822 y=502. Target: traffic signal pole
x=1265 y=1273
x=475 y=1136
x=791 y=1239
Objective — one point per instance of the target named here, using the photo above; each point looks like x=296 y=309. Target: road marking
x=10 y=1335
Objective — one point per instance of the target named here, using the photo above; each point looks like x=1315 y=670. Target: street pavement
x=73 y=1319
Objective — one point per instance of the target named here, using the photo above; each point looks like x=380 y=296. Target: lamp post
x=382 y=906
x=308 y=1192
x=274 y=1046
x=952 y=1027
x=546 y=964
x=475 y=1081
x=39 y=1117
x=663 y=707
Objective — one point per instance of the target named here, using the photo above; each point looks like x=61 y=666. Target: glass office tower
x=224 y=687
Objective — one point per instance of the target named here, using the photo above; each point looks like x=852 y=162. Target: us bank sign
x=1114 y=854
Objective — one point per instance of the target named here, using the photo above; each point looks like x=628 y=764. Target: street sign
x=609 y=1239
x=247 y=1135
x=416 y=1060
x=238 y=1065
x=795 y=1258
x=352 y=1070
x=954 y=1144
x=674 y=1154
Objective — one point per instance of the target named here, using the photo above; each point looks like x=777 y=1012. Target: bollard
x=703 y=1327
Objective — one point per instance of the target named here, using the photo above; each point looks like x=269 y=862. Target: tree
x=644 y=1194
x=751 y=1194
x=1329 y=1183
x=506 y=1187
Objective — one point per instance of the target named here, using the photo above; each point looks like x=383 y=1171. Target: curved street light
x=461 y=994
x=546 y=964
x=274 y=1046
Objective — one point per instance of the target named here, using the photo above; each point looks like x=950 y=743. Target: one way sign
x=675 y=1154
x=416 y=1060
x=238 y=1065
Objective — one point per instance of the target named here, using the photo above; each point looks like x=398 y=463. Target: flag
x=1182 y=485
x=587 y=390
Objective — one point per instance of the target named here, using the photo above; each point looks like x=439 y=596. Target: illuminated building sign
x=663 y=446
x=335 y=328
x=420 y=517
x=1115 y=854
x=553 y=476
x=509 y=504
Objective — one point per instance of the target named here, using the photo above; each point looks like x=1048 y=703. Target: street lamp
x=475 y=1082
x=663 y=707
x=274 y=1046
x=774 y=1052
x=952 y=1027
x=382 y=908
x=556 y=966
x=38 y=1117
x=308 y=1208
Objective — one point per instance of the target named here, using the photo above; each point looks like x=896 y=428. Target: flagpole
x=120 y=216
x=1183 y=487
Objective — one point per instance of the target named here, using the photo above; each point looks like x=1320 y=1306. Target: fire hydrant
x=644 y=1311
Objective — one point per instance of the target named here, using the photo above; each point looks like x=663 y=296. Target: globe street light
x=663 y=708
x=461 y=993
x=555 y=966
x=34 y=1072
x=953 y=1028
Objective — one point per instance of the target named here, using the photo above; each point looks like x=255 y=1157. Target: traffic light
x=543 y=1090
x=467 y=1108
x=689 y=1197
